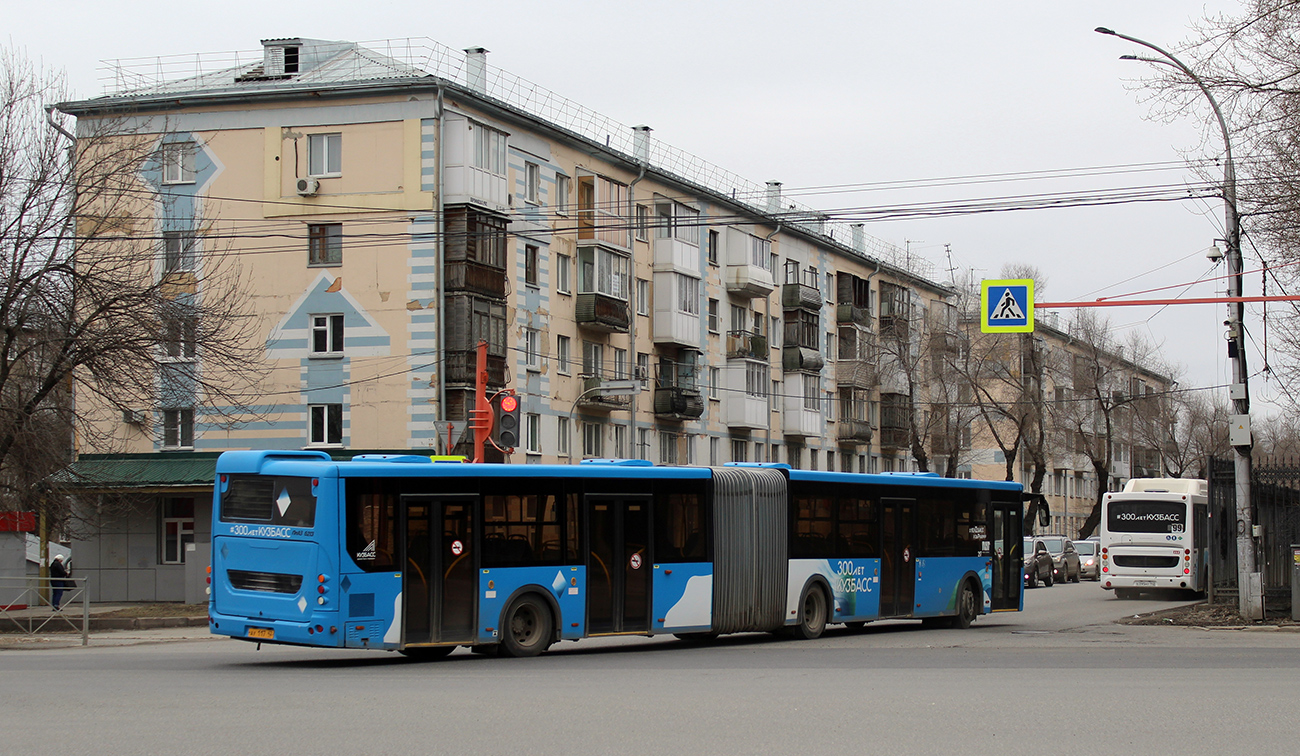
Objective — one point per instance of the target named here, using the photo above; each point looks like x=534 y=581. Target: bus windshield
x=1142 y=516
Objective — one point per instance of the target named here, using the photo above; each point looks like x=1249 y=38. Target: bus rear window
x=277 y=501
x=1146 y=517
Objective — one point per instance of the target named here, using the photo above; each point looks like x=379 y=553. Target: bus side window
x=372 y=527
x=812 y=536
x=856 y=535
x=680 y=535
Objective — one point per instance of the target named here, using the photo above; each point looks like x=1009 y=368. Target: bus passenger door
x=898 y=557
x=1005 y=553
x=618 y=569
x=439 y=580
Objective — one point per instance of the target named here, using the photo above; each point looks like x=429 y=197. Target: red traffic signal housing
x=506 y=427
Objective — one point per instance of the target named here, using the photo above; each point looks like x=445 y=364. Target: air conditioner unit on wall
x=308 y=187
x=134 y=417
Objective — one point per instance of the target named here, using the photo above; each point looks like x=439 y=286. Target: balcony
x=745 y=411
x=749 y=281
x=598 y=312
x=746 y=345
x=677 y=403
x=797 y=419
x=476 y=278
x=796 y=358
x=460 y=367
x=945 y=342
x=847 y=313
x=856 y=373
x=893 y=438
x=592 y=398
x=676 y=256
x=854 y=432
x=801 y=296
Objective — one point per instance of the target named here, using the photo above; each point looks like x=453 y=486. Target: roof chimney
x=641 y=144
x=476 y=69
x=774 y=197
x=859 y=239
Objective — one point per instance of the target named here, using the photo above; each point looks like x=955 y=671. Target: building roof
x=95 y=472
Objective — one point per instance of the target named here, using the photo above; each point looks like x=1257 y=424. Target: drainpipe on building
x=767 y=313
x=641 y=151
x=440 y=228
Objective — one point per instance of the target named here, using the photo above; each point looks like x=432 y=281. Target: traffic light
x=507 y=421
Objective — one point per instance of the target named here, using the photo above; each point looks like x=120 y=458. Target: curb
x=144 y=623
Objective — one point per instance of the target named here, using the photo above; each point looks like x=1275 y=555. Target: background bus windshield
x=1146 y=517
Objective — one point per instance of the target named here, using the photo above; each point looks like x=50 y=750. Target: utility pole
x=1249 y=583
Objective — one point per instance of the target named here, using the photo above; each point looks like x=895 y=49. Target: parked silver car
x=1065 y=560
x=1089 y=558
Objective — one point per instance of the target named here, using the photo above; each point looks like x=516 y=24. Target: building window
x=642 y=367
x=562 y=345
x=755 y=380
x=713 y=316
x=642 y=297
x=562 y=436
x=620 y=441
x=714 y=459
x=828 y=406
x=533 y=433
x=327 y=335
x=688 y=294
x=326 y=424
x=739 y=450
x=178 y=163
x=713 y=247
x=532 y=182
x=642 y=443
x=593 y=358
x=667 y=448
x=601 y=271
x=812 y=389
x=176 y=531
x=324 y=155
x=562 y=267
x=532 y=357
x=642 y=223
x=715 y=377
x=178 y=251
x=620 y=364
x=812 y=459
x=180 y=331
x=592 y=440
x=530 y=264
x=759 y=447
x=561 y=194
x=673 y=220
x=489 y=150
x=325 y=244
x=178 y=428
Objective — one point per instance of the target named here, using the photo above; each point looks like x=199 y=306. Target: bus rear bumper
x=1110 y=582
x=323 y=631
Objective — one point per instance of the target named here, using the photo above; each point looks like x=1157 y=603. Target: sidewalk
x=63 y=629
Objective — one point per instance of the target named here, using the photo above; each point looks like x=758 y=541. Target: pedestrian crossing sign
x=1007 y=306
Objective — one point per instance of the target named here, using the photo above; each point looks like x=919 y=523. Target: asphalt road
x=1060 y=678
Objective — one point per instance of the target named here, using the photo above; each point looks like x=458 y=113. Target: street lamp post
x=1249 y=602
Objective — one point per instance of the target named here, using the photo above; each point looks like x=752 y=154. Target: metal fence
x=25 y=606
x=1275 y=507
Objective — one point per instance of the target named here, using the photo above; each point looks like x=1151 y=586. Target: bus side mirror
x=1044 y=514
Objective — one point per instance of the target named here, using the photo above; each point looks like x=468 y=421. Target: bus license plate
x=1151 y=583
x=264 y=633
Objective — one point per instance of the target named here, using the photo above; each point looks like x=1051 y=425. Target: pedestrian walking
x=58 y=580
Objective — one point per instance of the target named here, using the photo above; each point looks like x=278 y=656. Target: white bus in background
x=1154 y=535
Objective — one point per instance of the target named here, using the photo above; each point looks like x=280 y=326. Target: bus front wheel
x=528 y=627
x=812 y=616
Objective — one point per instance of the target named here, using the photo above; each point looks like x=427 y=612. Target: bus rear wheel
x=426 y=653
x=528 y=627
x=812 y=615
x=966 y=608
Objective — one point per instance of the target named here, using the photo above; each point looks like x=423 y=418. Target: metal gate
x=1275 y=507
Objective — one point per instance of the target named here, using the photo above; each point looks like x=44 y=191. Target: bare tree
x=97 y=300
x=1194 y=427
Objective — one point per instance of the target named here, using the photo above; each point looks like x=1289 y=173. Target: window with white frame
x=713 y=244
x=562 y=349
x=178 y=251
x=176 y=529
x=673 y=220
x=532 y=182
x=593 y=358
x=563 y=264
x=561 y=194
x=642 y=367
x=325 y=424
x=714 y=447
x=601 y=271
x=759 y=447
x=755 y=380
x=642 y=450
x=178 y=428
x=689 y=444
x=739 y=450
x=324 y=155
x=739 y=318
x=620 y=441
x=324 y=243
x=642 y=223
x=531 y=262
x=642 y=297
x=760 y=253
x=489 y=150
x=593 y=435
x=178 y=163
x=714 y=325
x=812 y=386
x=715 y=378
x=688 y=294
x=532 y=355
x=327 y=335
x=179 y=331
x=620 y=364
x=828 y=406
x=533 y=433
x=667 y=448
x=562 y=436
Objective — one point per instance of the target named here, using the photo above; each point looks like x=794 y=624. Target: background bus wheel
x=426 y=653
x=812 y=617
x=1125 y=593
x=527 y=628
x=700 y=637
x=856 y=627
x=966 y=609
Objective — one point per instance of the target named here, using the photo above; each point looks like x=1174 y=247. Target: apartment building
x=390 y=209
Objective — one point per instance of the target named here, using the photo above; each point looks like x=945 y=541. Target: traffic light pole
x=481 y=415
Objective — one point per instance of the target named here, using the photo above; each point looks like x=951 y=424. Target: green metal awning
x=162 y=470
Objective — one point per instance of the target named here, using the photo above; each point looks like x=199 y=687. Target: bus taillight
x=1186 y=571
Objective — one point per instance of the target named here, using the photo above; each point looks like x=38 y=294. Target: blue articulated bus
x=404 y=553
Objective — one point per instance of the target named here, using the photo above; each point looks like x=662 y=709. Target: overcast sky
x=816 y=94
